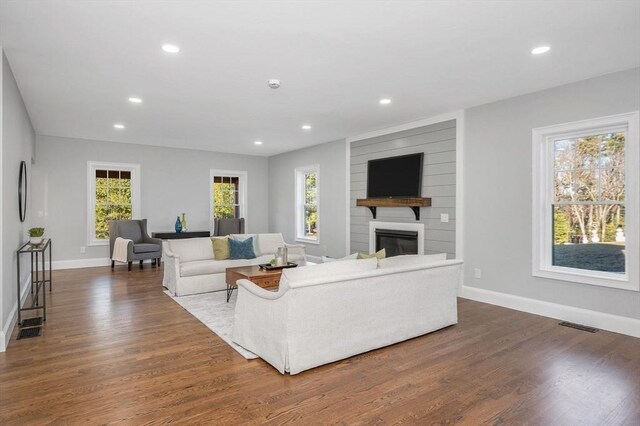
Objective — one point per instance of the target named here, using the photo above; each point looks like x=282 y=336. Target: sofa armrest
x=297 y=249
x=151 y=240
x=259 y=324
x=171 y=271
x=258 y=291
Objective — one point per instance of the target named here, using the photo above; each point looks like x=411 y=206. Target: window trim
x=242 y=176
x=299 y=206
x=542 y=197
x=136 y=212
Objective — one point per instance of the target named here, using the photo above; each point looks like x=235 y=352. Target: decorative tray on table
x=270 y=267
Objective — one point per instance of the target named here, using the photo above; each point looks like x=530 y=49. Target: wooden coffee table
x=261 y=277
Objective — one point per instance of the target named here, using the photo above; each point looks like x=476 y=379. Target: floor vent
x=25 y=333
x=31 y=322
x=579 y=326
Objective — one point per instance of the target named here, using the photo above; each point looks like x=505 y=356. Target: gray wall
x=438 y=142
x=498 y=167
x=172 y=181
x=17 y=139
x=333 y=168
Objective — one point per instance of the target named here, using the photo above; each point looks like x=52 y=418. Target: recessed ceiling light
x=135 y=100
x=170 y=48
x=118 y=126
x=257 y=143
x=540 y=50
x=306 y=127
x=385 y=101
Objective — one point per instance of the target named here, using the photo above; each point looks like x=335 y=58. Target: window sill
x=315 y=241
x=98 y=243
x=603 y=279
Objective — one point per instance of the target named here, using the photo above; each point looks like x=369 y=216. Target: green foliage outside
x=224 y=200
x=113 y=202
x=589 y=188
x=310 y=205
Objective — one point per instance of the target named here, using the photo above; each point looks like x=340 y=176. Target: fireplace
x=396 y=242
x=396 y=238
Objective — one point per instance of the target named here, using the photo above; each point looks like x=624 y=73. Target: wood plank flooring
x=116 y=350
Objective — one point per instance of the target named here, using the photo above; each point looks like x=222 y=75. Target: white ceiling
x=77 y=62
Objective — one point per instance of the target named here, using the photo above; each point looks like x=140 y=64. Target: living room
x=178 y=96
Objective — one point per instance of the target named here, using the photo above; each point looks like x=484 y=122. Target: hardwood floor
x=117 y=350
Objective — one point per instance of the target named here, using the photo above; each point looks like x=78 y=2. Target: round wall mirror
x=22 y=191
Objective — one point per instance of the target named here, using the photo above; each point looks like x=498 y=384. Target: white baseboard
x=601 y=320
x=5 y=334
x=79 y=263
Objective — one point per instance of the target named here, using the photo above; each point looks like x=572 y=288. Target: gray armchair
x=228 y=226
x=142 y=246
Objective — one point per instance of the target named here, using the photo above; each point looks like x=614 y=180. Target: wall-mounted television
x=395 y=177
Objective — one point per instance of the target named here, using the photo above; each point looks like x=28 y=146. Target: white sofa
x=190 y=267
x=327 y=312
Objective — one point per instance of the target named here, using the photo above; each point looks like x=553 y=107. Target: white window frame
x=136 y=212
x=299 y=203
x=543 y=193
x=242 y=193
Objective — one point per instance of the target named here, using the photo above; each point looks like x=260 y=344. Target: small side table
x=39 y=280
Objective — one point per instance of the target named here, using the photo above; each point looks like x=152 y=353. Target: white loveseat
x=327 y=312
x=190 y=267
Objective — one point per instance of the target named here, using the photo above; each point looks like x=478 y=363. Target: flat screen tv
x=395 y=177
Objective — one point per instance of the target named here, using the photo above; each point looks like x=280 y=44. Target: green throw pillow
x=380 y=254
x=220 y=248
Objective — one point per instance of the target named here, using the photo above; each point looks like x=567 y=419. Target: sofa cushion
x=411 y=259
x=292 y=276
x=269 y=243
x=190 y=249
x=145 y=248
x=327 y=259
x=242 y=237
x=220 y=248
x=207 y=267
x=380 y=254
x=241 y=249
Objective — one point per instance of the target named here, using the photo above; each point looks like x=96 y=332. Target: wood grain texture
x=394 y=202
x=115 y=349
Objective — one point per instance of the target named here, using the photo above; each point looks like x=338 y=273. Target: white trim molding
x=5 y=333
x=242 y=176
x=79 y=263
x=543 y=179
x=601 y=320
x=136 y=212
x=299 y=199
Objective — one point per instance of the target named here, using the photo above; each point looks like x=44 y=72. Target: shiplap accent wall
x=438 y=142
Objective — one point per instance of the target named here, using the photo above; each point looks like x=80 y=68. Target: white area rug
x=213 y=311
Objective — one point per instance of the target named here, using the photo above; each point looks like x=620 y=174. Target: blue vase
x=178 y=225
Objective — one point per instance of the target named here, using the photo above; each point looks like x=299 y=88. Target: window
x=307 y=203
x=585 y=195
x=113 y=194
x=228 y=194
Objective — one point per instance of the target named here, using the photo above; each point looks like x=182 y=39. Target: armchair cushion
x=145 y=247
x=130 y=229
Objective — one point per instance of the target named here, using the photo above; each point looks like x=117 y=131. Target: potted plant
x=36 y=235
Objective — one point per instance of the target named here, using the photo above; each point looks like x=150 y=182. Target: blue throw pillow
x=241 y=249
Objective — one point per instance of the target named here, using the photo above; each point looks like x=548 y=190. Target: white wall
x=172 y=181
x=17 y=140
x=498 y=167
x=332 y=159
